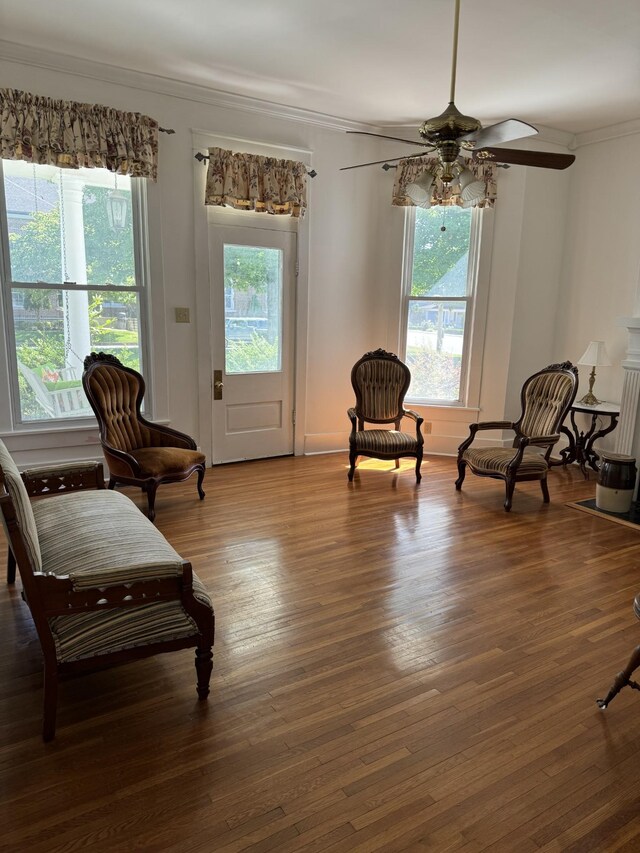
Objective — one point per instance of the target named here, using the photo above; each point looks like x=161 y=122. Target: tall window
x=71 y=281
x=439 y=290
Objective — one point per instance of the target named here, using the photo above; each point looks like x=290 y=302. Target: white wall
x=564 y=261
x=344 y=284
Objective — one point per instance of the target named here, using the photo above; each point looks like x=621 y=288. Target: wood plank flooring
x=397 y=668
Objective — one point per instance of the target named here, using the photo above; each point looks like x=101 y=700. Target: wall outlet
x=182 y=315
x=426 y=427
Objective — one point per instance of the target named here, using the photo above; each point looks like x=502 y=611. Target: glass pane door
x=253 y=285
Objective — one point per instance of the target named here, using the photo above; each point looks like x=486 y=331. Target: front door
x=253 y=301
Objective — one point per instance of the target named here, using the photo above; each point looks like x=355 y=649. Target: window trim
x=476 y=300
x=139 y=211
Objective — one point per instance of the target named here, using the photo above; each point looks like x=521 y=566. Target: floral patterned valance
x=73 y=135
x=252 y=182
x=443 y=194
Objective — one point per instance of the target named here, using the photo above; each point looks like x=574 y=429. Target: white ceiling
x=573 y=65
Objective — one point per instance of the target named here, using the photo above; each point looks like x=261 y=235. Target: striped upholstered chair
x=546 y=398
x=380 y=381
x=138 y=452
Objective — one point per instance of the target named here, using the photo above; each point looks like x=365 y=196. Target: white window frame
x=7 y=287
x=476 y=301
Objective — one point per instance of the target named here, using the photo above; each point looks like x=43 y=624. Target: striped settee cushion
x=22 y=506
x=385 y=441
x=83 y=635
x=496 y=459
x=99 y=538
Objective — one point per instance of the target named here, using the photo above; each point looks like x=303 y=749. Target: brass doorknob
x=218 y=385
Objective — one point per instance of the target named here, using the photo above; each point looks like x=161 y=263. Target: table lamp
x=595 y=355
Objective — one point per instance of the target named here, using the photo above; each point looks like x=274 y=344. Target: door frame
x=205 y=216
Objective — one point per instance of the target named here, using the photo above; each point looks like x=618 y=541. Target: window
x=438 y=306
x=71 y=277
x=253 y=281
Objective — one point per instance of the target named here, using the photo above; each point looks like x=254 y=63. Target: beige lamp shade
x=420 y=191
x=596 y=355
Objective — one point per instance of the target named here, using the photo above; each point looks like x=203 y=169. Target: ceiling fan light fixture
x=419 y=191
x=471 y=189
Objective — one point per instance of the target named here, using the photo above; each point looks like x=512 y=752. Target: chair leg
x=112 y=483
x=353 y=458
x=511 y=484
x=622 y=679
x=545 y=490
x=204 y=666
x=397 y=461
x=418 y=464
x=151 y=489
x=200 y=479
x=462 y=470
x=11 y=567
x=50 y=703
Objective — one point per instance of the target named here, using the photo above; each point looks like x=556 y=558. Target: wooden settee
x=102 y=583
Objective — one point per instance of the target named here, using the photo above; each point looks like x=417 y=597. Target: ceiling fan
x=450 y=133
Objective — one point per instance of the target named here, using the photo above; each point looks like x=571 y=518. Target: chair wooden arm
x=351 y=414
x=53 y=479
x=414 y=416
x=59 y=597
x=482 y=425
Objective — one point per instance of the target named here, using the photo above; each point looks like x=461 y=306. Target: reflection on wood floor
x=396 y=668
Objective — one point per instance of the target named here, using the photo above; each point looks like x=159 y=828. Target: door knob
x=218 y=385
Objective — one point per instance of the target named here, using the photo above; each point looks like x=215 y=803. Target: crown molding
x=604 y=134
x=54 y=61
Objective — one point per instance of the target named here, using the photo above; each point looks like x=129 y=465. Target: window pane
x=253 y=309
x=440 y=258
x=435 y=334
x=54 y=331
x=69 y=225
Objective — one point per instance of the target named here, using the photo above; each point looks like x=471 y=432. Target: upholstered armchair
x=138 y=452
x=380 y=381
x=546 y=398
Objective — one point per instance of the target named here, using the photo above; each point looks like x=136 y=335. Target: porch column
x=77 y=337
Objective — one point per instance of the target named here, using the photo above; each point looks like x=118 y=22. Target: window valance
x=74 y=135
x=253 y=182
x=409 y=171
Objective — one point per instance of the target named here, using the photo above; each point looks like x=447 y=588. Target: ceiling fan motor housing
x=444 y=131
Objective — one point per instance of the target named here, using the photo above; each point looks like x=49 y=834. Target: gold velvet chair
x=546 y=398
x=138 y=452
x=380 y=381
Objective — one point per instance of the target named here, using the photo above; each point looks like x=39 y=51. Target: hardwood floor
x=396 y=668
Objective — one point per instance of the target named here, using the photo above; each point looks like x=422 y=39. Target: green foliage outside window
x=36 y=255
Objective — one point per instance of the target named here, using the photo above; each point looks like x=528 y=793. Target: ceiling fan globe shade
x=471 y=189
x=420 y=191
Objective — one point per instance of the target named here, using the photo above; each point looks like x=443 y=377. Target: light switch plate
x=182 y=315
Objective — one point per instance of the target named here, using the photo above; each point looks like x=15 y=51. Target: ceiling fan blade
x=503 y=131
x=541 y=159
x=382 y=136
x=388 y=160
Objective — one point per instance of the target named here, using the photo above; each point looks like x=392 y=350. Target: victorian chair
x=138 y=452
x=380 y=381
x=546 y=398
